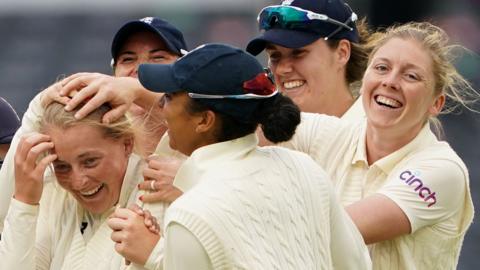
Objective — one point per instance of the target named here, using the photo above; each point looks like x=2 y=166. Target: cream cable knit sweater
x=264 y=208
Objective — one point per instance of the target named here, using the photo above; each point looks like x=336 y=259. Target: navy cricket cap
x=9 y=122
x=214 y=70
x=172 y=37
x=291 y=36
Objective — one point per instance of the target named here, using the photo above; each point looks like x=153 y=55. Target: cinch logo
x=424 y=192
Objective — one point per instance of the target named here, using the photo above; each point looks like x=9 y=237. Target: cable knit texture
x=258 y=208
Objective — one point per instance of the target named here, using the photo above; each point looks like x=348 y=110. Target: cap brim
x=135 y=27
x=283 y=37
x=6 y=139
x=158 y=78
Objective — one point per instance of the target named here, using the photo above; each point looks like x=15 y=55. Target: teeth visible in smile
x=293 y=84
x=388 y=101
x=91 y=192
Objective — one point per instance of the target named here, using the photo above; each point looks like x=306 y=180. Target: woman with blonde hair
x=60 y=222
x=145 y=40
x=407 y=192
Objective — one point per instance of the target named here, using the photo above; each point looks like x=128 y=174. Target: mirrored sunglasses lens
x=281 y=16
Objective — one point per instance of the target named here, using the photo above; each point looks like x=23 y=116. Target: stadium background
x=44 y=40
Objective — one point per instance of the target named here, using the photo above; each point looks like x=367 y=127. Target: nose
x=79 y=180
x=142 y=59
x=282 y=67
x=391 y=80
x=134 y=72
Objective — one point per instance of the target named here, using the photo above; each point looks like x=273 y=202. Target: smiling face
x=398 y=88
x=90 y=166
x=139 y=48
x=312 y=76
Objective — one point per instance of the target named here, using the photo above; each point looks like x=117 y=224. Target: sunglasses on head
x=260 y=87
x=295 y=18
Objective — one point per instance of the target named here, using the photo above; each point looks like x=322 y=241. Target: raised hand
x=31 y=159
x=52 y=93
x=96 y=89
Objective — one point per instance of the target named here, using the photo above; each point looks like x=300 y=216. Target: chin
x=383 y=123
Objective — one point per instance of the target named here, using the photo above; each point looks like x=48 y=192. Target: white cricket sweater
x=264 y=208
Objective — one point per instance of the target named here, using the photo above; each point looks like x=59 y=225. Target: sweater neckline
x=211 y=157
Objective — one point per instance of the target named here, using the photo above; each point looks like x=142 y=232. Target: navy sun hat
x=172 y=37
x=224 y=78
x=300 y=35
x=9 y=122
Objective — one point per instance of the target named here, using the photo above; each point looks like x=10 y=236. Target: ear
x=343 y=51
x=437 y=105
x=128 y=143
x=206 y=122
x=113 y=65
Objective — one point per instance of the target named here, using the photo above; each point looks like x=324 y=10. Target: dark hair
x=278 y=117
x=359 y=52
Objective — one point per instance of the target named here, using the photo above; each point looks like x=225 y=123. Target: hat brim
x=135 y=27
x=283 y=37
x=6 y=139
x=158 y=78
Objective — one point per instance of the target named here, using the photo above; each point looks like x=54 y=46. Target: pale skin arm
x=25 y=243
x=378 y=218
x=119 y=92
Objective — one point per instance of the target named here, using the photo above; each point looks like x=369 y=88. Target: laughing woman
x=407 y=192
x=60 y=223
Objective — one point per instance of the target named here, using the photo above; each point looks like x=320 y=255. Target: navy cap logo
x=148 y=20
x=185 y=52
x=287 y=2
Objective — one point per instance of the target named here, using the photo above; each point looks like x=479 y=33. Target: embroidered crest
x=287 y=2
x=147 y=20
x=184 y=52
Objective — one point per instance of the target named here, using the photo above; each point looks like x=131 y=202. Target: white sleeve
x=18 y=248
x=30 y=122
x=428 y=191
x=183 y=251
x=304 y=134
x=314 y=133
x=348 y=248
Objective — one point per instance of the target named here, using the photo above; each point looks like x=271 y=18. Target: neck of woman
x=338 y=107
x=383 y=142
x=342 y=106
